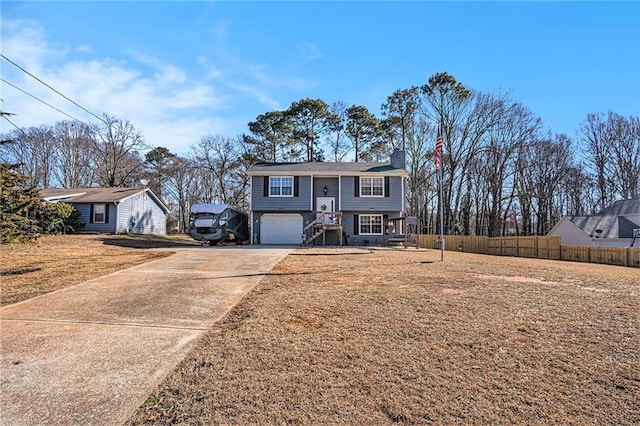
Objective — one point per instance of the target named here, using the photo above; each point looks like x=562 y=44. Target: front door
x=326 y=205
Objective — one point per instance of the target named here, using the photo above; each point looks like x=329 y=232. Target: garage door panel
x=281 y=229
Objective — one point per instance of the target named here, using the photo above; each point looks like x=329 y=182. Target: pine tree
x=18 y=203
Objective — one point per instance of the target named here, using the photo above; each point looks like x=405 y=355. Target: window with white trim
x=370 y=224
x=99 y=213
x=281 y=186
x=372 y=186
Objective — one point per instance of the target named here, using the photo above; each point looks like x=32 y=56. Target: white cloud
x=25 y=40
x=84 y=49
x=169 y=105
x=308 y=53
x=257 y=94
x=165 y=105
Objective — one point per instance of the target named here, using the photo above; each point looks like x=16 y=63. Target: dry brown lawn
x=399 y=337
x=386 y=336
x=58 y=261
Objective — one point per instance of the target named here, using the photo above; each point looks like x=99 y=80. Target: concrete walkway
x=91 y=354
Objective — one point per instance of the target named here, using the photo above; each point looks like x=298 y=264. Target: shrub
x=58 y=218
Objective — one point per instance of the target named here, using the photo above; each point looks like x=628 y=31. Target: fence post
x=627 y=257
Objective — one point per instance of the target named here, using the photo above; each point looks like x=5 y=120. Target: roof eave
x=399 y=173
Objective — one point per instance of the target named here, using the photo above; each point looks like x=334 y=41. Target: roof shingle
x=333 y=169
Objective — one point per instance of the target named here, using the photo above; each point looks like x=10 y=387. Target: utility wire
x=11 y=122
x=38 y=99
x=73 y=102
x=14 y=125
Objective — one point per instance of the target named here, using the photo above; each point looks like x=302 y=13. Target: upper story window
x=99 y=213
x=372 y=187
x=281 y=186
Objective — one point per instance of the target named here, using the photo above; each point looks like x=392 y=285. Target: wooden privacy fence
x=535 y=247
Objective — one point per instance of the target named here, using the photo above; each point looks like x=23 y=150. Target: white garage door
x=281 y=229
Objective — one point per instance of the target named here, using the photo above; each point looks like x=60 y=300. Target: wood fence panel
x=474 y=244
x=509 y=246
x=528 y=247
x=535 y=247
x=453 y=242
x=494 y=246
x=608 y=255
x=549 y=247
x=429 y=241
x=575 y=253
x=482 y=244
x=633 y=257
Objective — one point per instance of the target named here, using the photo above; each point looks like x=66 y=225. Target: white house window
x=372 y=187
x=370 y=224
x=99 y=212
x=281 y=186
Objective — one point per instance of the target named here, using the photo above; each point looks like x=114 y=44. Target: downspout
x=312 y=195
x=117 y=210
x=404 y=207
x=251 y=239
x=339 y=193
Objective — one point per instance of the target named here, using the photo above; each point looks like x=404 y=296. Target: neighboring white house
x=114 y=210
x=612 y=227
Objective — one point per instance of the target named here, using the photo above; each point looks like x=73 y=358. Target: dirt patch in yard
x=392 y=336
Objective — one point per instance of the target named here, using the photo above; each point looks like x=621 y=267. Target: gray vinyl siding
x=332 y=189
x=352 y=203
x=85 y=218
x=281 y=204
x=140 y=214
x=361 y=240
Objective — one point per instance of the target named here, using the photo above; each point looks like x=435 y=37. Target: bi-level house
x=327 y=203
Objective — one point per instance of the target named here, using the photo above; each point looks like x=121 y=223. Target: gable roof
x=610 y=225
x=325 y=169
x=623 y=207
x=589 y=224
x=95 y=195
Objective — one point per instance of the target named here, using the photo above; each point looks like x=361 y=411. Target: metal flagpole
x=441 y=218
x=438 y=161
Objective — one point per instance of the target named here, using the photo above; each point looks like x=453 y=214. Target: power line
x=38 y=99
x=14 y=125
x=70 y=100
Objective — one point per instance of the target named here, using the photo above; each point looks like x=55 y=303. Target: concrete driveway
x=92 y=353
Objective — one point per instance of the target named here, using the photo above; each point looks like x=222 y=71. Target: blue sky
x=183 y=70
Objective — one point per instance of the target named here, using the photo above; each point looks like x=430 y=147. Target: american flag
x=438 y=147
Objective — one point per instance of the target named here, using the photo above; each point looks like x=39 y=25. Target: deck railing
x=324 y=221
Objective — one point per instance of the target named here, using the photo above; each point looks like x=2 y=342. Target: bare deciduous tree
x=224 y=159
x=33 y=149
x=465 y=117
x=117 y=147
x=74 y=154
